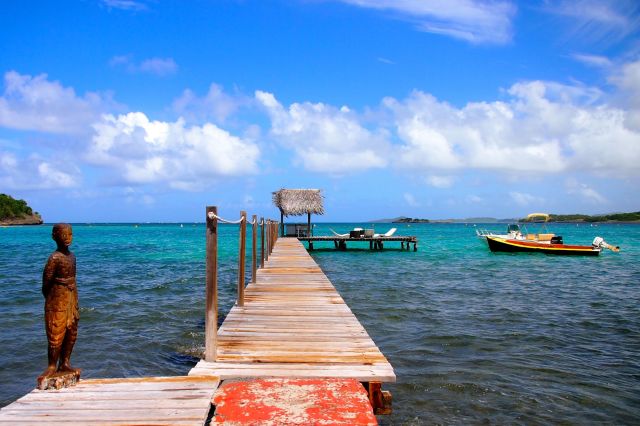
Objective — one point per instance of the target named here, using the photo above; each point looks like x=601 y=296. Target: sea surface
x=475 y=337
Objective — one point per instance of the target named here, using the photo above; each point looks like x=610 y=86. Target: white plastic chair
x=338 y=235
x=389 y=233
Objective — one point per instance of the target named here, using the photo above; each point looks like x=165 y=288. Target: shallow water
x=474 y=337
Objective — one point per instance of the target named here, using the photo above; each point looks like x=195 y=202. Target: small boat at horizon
x=518 y=240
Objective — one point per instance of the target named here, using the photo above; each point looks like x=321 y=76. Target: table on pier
x=294 y=323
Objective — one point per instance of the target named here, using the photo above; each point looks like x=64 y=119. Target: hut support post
x=261 y=242
x=308 y=224
x=254 y=247
x=241 y=257
x=268 y=238
x=211 y=292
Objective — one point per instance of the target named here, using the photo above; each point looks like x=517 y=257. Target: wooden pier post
x=261 y=242
x=254 y=244
x=380 y=400
x=241 y=260
x=211 y=292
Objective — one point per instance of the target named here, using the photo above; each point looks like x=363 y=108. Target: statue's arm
x=47 y=275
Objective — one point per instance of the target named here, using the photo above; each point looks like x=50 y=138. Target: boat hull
x=517 y=246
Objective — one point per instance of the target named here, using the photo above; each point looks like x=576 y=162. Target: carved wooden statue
x=60 y=311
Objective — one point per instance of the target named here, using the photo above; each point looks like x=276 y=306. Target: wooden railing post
x=261 y=242
x=275 y=237
x=254 y=244
x=211 y=292
x=241 y=257
x=272 y=239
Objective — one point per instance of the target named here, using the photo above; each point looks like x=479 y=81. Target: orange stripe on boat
x=530 y=244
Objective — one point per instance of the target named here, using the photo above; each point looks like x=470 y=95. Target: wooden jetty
x=289 y=323
x=294 y=323
x=375 y=243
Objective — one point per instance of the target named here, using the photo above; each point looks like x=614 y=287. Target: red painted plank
x=337 y=402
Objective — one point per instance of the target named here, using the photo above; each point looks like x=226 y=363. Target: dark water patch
x=187 y=358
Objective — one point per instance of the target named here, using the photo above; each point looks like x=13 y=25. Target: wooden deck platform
x=375 y=243
x=177 y=400
x=294 y=324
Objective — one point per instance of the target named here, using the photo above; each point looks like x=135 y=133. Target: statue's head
x=62 y=234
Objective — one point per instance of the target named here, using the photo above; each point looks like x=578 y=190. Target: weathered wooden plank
x=301 y=365
x=148 y=400
x=294 y=322
x=73 y=422
x=375 y=372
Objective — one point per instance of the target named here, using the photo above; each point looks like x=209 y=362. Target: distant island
x=633 y=217
x=578 y=218
x=17 y=212
x=409 y=220
x=404 y=219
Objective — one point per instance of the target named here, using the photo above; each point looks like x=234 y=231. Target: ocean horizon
x=474 y=336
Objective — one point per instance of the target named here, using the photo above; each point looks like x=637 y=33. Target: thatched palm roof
x=296 y=202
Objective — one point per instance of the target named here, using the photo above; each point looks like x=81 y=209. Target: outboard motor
x=601 y=243
x=556 y=239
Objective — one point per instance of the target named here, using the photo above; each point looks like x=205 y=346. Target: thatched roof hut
x=297 y=202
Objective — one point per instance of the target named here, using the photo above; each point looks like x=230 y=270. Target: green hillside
x=10 y=208
x=615 y=217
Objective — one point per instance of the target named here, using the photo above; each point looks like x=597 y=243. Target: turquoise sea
x=474 y=337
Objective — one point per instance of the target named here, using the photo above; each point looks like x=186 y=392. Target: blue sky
x=149 y=110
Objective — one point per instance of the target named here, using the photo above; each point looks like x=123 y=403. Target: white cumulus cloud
x=543 y=127
x=36 y=103
x=144 y=151
x=35 y=172
x=325 y=138
x=438 y=136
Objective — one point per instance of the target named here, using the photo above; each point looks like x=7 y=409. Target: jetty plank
x=181 y=400
x=295 y=324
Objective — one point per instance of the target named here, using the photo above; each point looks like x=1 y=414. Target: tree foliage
x=10 y=208
x=616 y=217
